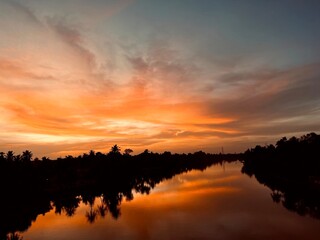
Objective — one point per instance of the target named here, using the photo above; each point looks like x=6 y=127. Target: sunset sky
x=177 y=75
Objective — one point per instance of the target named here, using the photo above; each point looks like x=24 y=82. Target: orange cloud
x=58 y=89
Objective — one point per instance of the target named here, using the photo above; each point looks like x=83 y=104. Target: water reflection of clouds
x=215 y=204
x=191 y=187
x=231 y=206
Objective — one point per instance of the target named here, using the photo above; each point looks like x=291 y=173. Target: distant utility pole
x=222 y=151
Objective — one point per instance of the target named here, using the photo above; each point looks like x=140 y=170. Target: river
x=217 y=203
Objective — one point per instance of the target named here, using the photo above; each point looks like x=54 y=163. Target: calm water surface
x=218 y=203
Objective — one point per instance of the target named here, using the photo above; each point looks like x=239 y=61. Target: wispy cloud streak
x=71 y=87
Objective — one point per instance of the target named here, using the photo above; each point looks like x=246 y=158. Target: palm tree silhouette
x=10 y=156
x=26 y=156
x=17 y=158
x=115 y=149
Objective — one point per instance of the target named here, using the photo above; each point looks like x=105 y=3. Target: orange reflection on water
x=184 y=189
x=60 y=221
x=219 y=203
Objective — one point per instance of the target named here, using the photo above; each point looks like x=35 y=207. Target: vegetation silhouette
x=100 y=181
x=291 y=169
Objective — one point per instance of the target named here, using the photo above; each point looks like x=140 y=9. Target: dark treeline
x=29 y=187
x=32 y=187
x=291 y=169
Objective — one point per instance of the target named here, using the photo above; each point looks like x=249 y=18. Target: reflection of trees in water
x=291 y=169
x=304 y=199
x=36 y=187
x=66 y=204
x=14 y=236
x=102 y=207
x=108 y=203
x=300 y=196
x=91 y=215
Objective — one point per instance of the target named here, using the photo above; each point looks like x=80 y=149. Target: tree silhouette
x=61 y=184
x=17 y=158
x=291 y=169
x=26 y=156
x=10 y=156
x=128 y=151
x=2 y=157
x=92 y=153
x=45 y=159
x=115 y=149
x=69 y=157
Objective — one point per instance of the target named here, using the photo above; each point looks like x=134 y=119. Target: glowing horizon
x=177 y=75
